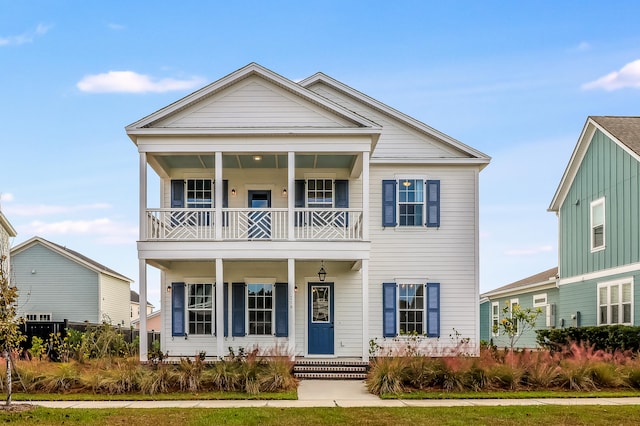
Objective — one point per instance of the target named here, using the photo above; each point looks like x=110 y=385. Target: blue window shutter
x=342 y=202
x=433 y=309
x=299 y=200
x=433 y=203
x=177 y=194
x=237 y=309
x=225 y=302
x=389 y=309
x=177 y=309
x=282 y=310
x=388 y=203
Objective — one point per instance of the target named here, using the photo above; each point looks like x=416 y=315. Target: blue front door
x=321 y=318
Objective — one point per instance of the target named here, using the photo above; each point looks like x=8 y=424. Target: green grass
x=521 y=416
x=614 y=393
x=172 y=396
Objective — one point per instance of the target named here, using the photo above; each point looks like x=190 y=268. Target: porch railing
x=254 y=224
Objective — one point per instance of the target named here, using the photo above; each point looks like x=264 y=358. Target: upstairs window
x=320 y=193
x=199 y=194
x=411 y=202
x=597 y=225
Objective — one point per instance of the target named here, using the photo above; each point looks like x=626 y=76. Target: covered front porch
x=305 y=308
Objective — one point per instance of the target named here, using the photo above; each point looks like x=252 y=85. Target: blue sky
x=515 y=80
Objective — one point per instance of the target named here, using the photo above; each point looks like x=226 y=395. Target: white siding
x=115 y=300
x=397 y=140
x=254 y=103
x=446 y=255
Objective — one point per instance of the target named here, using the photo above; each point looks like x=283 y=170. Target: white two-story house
x=305 y=215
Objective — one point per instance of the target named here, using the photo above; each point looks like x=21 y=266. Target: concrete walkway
x=336 y=393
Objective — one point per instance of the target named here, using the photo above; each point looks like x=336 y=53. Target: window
x=513 y=303
x=200 y=308
x=495 y=318
x=615 y=303
x=415 y=307
x=540 y=300
x=199 y=194
x=260 y=303
x=320 y=193
x=411 y=308
x=597 y=225
x=32 y=317
x=411 y=202
x=38 y=317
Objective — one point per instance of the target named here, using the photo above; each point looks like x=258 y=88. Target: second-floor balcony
x=254 y=224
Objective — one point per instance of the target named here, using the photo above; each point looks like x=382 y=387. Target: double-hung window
x=260 y=308
x=200 y=305
x=597 y=225
x=615 y=303
x=495 y=318
x=192 y=309
x=411 y=202
x=411 y=308
x=320 y=193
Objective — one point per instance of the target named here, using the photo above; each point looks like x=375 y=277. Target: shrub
x=607 y=338
x=388 y=375
x=190 y=374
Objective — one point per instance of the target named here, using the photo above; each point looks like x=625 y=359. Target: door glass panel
x=320 y=304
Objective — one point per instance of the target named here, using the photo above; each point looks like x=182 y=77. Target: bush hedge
x=607 y=338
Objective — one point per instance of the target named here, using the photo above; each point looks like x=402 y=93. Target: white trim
x=523 y=289
x=539 y=304
x=595 y=203
x=608 y=284
x=633 y=267
x=259 y=280
x=496 y=317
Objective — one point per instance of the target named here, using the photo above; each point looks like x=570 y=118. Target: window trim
x=427 y=285
x=608 y=284
x=399 y=184
x=260 y=281
x=423 y=310
x=594 y=204
x=495 y=320
x=188 y=309
x=539 y=304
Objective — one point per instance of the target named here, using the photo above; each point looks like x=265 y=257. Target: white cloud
x=583 y=46
x=132 y=82
x=106 y=230
x=24 y=38
x=45 y=209
x=529 y=251
x=115 y=27
x=628 y=76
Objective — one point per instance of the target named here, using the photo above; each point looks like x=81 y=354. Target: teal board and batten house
x=539 y=291
x=56 y=283
x=598 y=209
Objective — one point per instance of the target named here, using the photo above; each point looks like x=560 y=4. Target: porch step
x=331 y=369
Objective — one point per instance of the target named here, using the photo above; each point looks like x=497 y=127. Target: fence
x=43 y=329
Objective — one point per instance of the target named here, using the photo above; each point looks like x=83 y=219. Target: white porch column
x=219 y=186
x=219 y=309
x=365 y=310
x=291 y=189
x=143 y=196
x=365 y=195
x=142 y=283
x=291 y=290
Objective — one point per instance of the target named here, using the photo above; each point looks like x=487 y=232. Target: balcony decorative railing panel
x=255 y=224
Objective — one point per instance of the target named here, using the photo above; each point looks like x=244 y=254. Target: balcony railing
x=254 y=224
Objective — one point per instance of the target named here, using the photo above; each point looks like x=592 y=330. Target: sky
x=515 y=80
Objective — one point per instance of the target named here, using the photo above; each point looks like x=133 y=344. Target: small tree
x=516 y=321
x=10 y=336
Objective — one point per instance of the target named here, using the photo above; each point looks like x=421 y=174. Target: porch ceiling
x=254 y=161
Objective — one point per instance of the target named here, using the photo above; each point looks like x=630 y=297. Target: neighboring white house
x=6 y=233
x=135 y=306
x=306 y=214
x=56 y=283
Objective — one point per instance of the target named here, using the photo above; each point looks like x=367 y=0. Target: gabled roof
x=146 y=124
x=395 y=114
x=4 y=222
x=541 y=279
x=135 y=298
x=71 y=254
x=624 y=131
